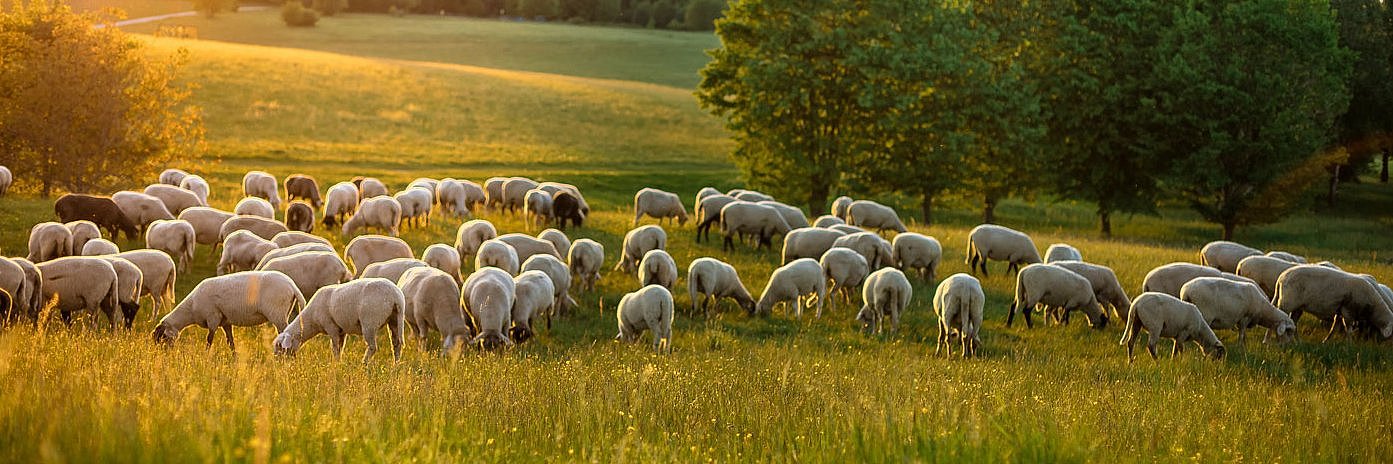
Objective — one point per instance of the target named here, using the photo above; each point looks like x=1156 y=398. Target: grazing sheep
x=1226 y=304
x=657 y=267
x=846 y=229
x=752 y=196
x=996 y=243
x=291 y=250
x=310 y=270
x=560 y=276
x=537 y=208
x=871 y=215
x=427 y=184
x=515 y=192
x=295 y=237
x=876 y=250
x=177 y=238
x=528 y=246
x=793 y=216
x=98 y=247
x=142 y=209
x=207 y=223
x=303 y=187
x=558 y=239
x=35 y=279
x=444 y=258
x=488 y=300
x=364 y=250
x=380 y=212
x=498 y=254
x=659 y=205
x=793 y=281
x=370 y=187
x=1062 y=252
x=753 y=219
x=471 y=234
x=414 y=205
x=102 y=211
x=452 y=197
x=14 y=282
x=1264 y=270
x=299 y=217
x=554 y=187
x=82 y=283
x=1169 y=278
x=175 y=199
x=392 y=269
x=534 y=294
x=706 y=192
x=341 y=201
x=493 y=192
x=827 y=220
x=710 y=279
x=846 y=269
x=649 y=308
x=565 y=206
x=158 y=276
x=808 y=242
x=129 y=283
x=49 y=240
x=257 y=225
x=958 y=303
x=1057 y=287
x=1106 y=287
x=910 y=250
x=1284 y=256
x=585 y=259
x=637 y=242
x=474 y=196
x=886 y=293
x=198 y=186
x=841 y=206
x=1333 y=296
x=1224 y=255
x=433 y=303
x=6 y=178
x=254 y=206
x=172 y=176
x=360 y=307
x=83 y=231
x=263 y=185
x=708 y=214
x=241 y=251
x=1166 y=316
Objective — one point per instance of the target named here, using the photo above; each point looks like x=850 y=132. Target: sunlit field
x=444 y=97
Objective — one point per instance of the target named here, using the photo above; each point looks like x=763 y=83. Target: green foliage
x=664 y=12
x=642 y=13
x=1366 y=28
x=330 y=7
x=477 y=8
x=582 y=9
x=530 y=9
x=608 y=11
x=701 y=15
x=295 y=14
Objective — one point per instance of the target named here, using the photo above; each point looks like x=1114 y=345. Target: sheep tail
x=1132 y=326
x=296 y=306
x=972 y=252
x=167 y=293
x=112 y=300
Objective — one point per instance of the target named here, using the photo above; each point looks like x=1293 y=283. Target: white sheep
x=471 y=234
x=710 y=279
x=493 y=192
x=340 y=202
x=198 y=186
x=176 y=237
x=140 y=208
x=82 y=231
x=657 y=267
x=311 y=270
x=82 y=283
x=1062 y=252
x=876 y=250
x=291 y=250
x=533 y=294
x=553 y=187
x=414 y=205
x=242 y=250
x=207 y=223
x=958 y=301
x=840 y=206
x=360 y=307
x=98 y=247
x=34 y=279
x=1226 y=304
x=1264 y=270
x=391 y=269
x=175 y=199
x=474 y=196
x=453 y=198
x=254 y=206
x=871 y=215
x=558 y=240
x=1334 y=296
x=157 y=271
x=1169 y=278
x=262 y=184
x=433 y=303
x=425 y=183
x=752 y=196
x=990 y=242
x=637 y=242
x=1106 y=288
x=262 y=227
x=846 y=269
x=364 y=250
x=1057 y=287
x=537 y=208
x=794 y=281
x=793 y=216
x=295 y=237
x=50 y=240
x=515 y=192
x=370 y=187
x=129 y=282
x=846 y=229
x=1166 y=316
x=659 y=205
x=827 y=220
x=6 y=179
x=1225 y=255
x=488 y=299
x=744 y=218
x=497 y=254
x=910 y=250
x=708 y=214
x=886 y=293
x=172 y=176
x=14 y=281
x=560 y=276
x=585 y=259
x=706 y=192
x=380 y=212
x=444 y=258
x=1284 y=256
x=648 y=308
x=528 y=246
x=808 y=242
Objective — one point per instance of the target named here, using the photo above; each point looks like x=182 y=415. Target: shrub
x=643 y=12
x=329 y=7
x=608 y=11
x=701 y=15
x=296 y=15
x=663 y=13
x=530 y=9
x=582 y=9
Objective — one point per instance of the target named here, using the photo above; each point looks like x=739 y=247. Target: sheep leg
x=942 y=338
x=370 y=337
x=335 y=341
x=1151 y=342
x=227 y=329
x=1177 y=347
x=1334 y=322
x=212 y=331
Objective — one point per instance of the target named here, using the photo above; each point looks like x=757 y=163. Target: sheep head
x=165 y=334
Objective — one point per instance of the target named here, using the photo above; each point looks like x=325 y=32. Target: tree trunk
x=817 y=197
x=1105 y=223
x=1334 y=184
x=989 y=210
x=926 y=207
x=1383 y=174
x=1228 y=230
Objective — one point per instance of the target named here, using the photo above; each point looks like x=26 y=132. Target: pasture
x=445 y=97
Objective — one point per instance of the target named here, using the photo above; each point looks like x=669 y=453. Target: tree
x=1251 y=89
x=663 y=13
x=1366 y=128
x=86 y=109
x=701 y=15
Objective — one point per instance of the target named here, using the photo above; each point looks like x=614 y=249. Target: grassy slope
x=738 y=388
x=134 y=8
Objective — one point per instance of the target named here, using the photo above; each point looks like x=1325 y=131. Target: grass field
x=737 y=388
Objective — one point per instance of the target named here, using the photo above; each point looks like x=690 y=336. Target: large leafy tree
x=1367 y=127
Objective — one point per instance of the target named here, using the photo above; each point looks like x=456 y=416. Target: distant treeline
x=659 y=14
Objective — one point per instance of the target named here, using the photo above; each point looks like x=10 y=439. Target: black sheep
x=99 y=209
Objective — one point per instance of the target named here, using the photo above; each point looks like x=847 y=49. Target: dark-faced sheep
x=102 y=211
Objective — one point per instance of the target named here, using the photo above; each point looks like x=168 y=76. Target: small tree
x=295 y=14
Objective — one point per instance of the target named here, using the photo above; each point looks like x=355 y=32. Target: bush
x=583 y=9
x=608 y=11
x=296 y=15
x=663 y=13
x=643 y=12
x=329 y=7
x=701 y=15
x=530 y=9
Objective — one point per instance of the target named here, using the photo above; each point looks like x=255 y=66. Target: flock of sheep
x=277 y=272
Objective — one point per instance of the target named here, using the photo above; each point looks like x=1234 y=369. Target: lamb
x=254 y=206
x=710 y=279
x=291 y=250
x=1333 y=296
x=659 y=268
x=585 y=259
x=299 y=217
x=560 y=281
x=82 y=231
x=392 y=269
x=659 y=205
x=102 y=211
x=172 y=176
x=808 y=242
x=341 y=201
x=958 y=303
x=745 y=218
x=1226 y=304
x=359 y=307
x=381 y=212
x=1170 y=277
x=1264 y=270
x=142 y=209
x=453 y=198
x=992 y=242
x=433 y=303
x=871 y=215
x=827 y=220
x=260 y=226
x=1106 y=287
x=98 y=247
x=242 y=251
x=1058 y=287
x=910 y=250
x=198 y=186
x=537 y=208
x=175 y=199
x=1164 y=315
x=370 y=187
x=708 y=214
x=558 y=240
x=82 y=283
x=444 y=258
x=413 y=205
x=566 y=206
x=793 y=281
x=649 y=308
x=876 y=250
x=488 y=299
x=501 y=255
x=846 y=269
x=364 y=250
x=841 y=206
x=1284 y=256
x=515 y=191
x=1062 y=252
x=1224 y=255
x=886 y=293
x=177 y=238
x=528 y=246
x=207 y=223
x=637 y=242
x=49 y=240
x=533 y=294
x=303 y=187
x=793 y=216
x=6 y=178
x=294 y=237
x=311 y=270
x=471 y=234
x=129 y=283
x=157 y=271
x=261 y=184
